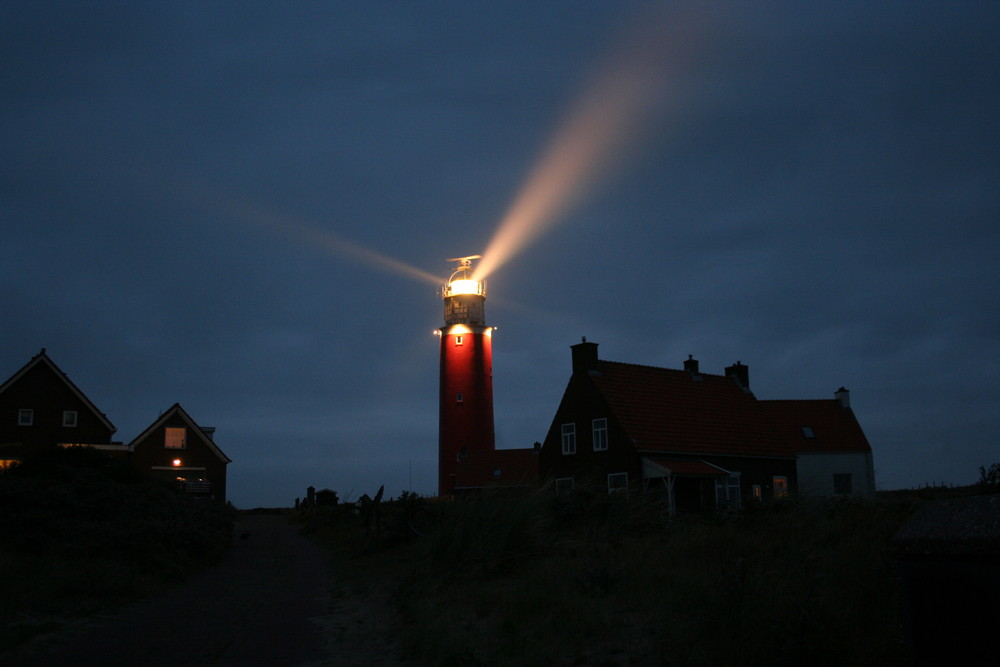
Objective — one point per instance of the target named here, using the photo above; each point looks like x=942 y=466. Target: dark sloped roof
x=670 y=410
x=834 y=428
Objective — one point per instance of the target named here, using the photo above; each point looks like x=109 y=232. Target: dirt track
x=269 y=603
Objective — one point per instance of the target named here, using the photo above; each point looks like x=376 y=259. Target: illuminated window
x=569 y=438
x=7 y=464
x=564 y=485
x=175 y=438
x=727 y=492
x=69 y=418
x=618 y=482
x=25 y=417
x=807 y=432
x=842 y=483
x=780 y=485
x=600 y=434
x=458 y=340
x=756 y=492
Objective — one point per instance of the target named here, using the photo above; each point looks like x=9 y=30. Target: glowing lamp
x=177 y=463
x=465 y=286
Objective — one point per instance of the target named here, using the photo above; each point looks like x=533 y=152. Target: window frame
x=567 y=438
x=167 y=439
x=622 y=488
x=25 y=417
x=728 y=492
x=838 y=489
x=599 y=426
x=564 y=485
x=70 y=418
x=779 y=486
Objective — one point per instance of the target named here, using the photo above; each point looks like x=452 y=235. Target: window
x=69 y=418
x=780 y=485
x=569 y=438
x=600 y=434
x=25 y=417
x=755 y=489
x=564 y=485
x=459 y=398
x=842 y=483
x=807 y=432
x=618 y=482
x=175 y=438
x=727 y=492
x=458 y=340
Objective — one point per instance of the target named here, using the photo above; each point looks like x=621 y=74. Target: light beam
x=316 y=237
x=597 y=133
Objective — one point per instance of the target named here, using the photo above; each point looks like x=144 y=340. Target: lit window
x=25 y=417
x=458 y=340
x=564 y=485
x=569 y=438
x=780 y=487
x=755 y=489
x=600 y=434
x=618 y=482
x=807 y=432
x=842 y=483
x=175 y=438
x=69 y=418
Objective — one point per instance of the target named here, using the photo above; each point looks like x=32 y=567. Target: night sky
x=245 y=208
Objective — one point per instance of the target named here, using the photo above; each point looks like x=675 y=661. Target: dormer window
x=69 y=418
x=807 y=432
x=25 y=417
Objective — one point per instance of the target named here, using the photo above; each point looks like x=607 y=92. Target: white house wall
x=816 y=471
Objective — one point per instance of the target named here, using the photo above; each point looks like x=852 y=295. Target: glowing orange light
x=177 y=463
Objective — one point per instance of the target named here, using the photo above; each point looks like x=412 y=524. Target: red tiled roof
x=671 y=410
x=834 y=427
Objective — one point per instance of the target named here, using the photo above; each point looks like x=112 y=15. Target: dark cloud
x=815 y=196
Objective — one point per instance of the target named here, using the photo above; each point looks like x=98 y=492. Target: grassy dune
x=593 y=580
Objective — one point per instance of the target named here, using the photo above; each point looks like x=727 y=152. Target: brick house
x=700 y=441
x=175 y=448
x=41 y=408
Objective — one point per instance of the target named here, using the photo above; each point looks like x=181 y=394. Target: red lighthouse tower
x=466 y=400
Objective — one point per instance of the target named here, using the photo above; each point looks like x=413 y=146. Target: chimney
x=740 y=373
x=844 y=396
x=691 y=365
x=584 y=356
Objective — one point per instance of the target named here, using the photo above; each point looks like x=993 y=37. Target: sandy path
x=269 y=603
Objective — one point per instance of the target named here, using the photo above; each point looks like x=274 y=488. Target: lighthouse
x=465 y=419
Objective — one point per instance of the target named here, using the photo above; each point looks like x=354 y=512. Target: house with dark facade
x=41 y=408
x=176 y=449
x=700 y=441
